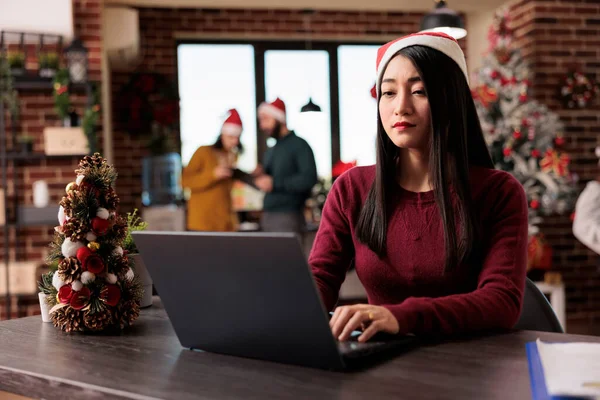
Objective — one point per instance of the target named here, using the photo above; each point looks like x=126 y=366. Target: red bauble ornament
x=81 y=298
x=535 y=153
x=110 y=294
x=517 y=135
x=523 y=98
x=535 y=204
x=65 y=293
x=100 y=226
x=507 y=151
x=559 y=141
x=494 y=74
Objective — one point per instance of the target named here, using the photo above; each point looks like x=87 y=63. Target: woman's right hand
x=222 y=172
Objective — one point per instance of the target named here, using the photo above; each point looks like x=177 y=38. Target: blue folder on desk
x=536 y=376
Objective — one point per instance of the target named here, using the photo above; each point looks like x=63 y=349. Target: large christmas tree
x=525 y=138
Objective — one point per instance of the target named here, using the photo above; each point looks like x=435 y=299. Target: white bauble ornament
x=61 y=216
x=102 y=213
x=57 y=282
x=111 y=278
x=87 y=277
x=69 y=248
x=130 y=275
x=91 y=236
x=77 y=286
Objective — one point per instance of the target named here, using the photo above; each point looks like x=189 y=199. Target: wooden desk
x=37 y=360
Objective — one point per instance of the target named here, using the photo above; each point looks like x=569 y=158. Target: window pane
x=294 y=76
x=358 y=110
x=212 y=80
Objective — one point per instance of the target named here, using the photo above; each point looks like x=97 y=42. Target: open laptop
x=249 y=295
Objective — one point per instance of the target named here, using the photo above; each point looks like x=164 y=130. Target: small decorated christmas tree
x=525 y=138
x=91 y=286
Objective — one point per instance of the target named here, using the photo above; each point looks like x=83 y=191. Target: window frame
x=262 y=46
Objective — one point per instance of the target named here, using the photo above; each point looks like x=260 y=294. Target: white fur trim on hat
x=272 y=111
x=231 y=129
x=445 y=45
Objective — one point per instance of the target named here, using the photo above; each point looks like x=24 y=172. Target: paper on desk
x=571 y=369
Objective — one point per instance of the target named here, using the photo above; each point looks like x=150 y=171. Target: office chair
x=537 y=313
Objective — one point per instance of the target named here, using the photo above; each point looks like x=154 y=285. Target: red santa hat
x=233 y=124
x=436 y=40
x=276 y=109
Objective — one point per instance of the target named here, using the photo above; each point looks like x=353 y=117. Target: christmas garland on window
x=577 y=90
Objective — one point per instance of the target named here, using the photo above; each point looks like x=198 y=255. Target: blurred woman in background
x=209 y=178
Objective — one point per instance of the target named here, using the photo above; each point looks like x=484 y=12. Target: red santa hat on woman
x=436 y=40
x=233 y=124
x=276 y=109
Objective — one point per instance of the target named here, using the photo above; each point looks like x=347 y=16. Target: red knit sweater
x=409 y=280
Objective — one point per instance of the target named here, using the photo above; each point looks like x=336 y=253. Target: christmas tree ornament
x=80 y=302
x=87 y=277
x=70 y=247
x=100 y=226
x=90 y=237
x=71 y=187
x=102 y=213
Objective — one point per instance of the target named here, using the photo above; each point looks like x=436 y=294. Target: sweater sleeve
x=333 y=249
x=305 y=178
x=586 y=226
x=198 y=176
x=496 y=302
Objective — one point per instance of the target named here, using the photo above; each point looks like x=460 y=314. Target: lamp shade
x=443 y=19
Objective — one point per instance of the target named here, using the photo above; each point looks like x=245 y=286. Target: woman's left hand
x=370 y=318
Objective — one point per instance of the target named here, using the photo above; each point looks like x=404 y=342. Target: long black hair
x=456 y=144
x=219 y=145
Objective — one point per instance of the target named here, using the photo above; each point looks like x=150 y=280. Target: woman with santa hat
x=437 y=236
x=208 y=175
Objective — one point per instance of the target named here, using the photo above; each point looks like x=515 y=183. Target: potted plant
x=16 y=62
x=25 y=143
x=135 y=223
x=47 y=290
x=48 y=64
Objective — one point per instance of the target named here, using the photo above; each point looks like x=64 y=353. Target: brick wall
x=158 y=27
x=37 y=112
x=554 y=36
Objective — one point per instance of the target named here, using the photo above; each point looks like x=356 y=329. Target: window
x=214 y=78
x=294 y=76
x=358 y=110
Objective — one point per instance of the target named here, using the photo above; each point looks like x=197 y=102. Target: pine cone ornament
x=90 y=162
x=75 y=229
x=111 y=200
x=119 y=229
x=69 y=270
x=120 y=265
x=99 y=320
x=67 y=203
x=127 y=313
x=68 y=319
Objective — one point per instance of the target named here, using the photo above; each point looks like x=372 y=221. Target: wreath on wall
x=577 y=90
x=148 y=106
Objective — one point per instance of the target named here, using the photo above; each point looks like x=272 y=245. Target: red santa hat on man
x=233 y=124
x=276 y=109
x=436 y=40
